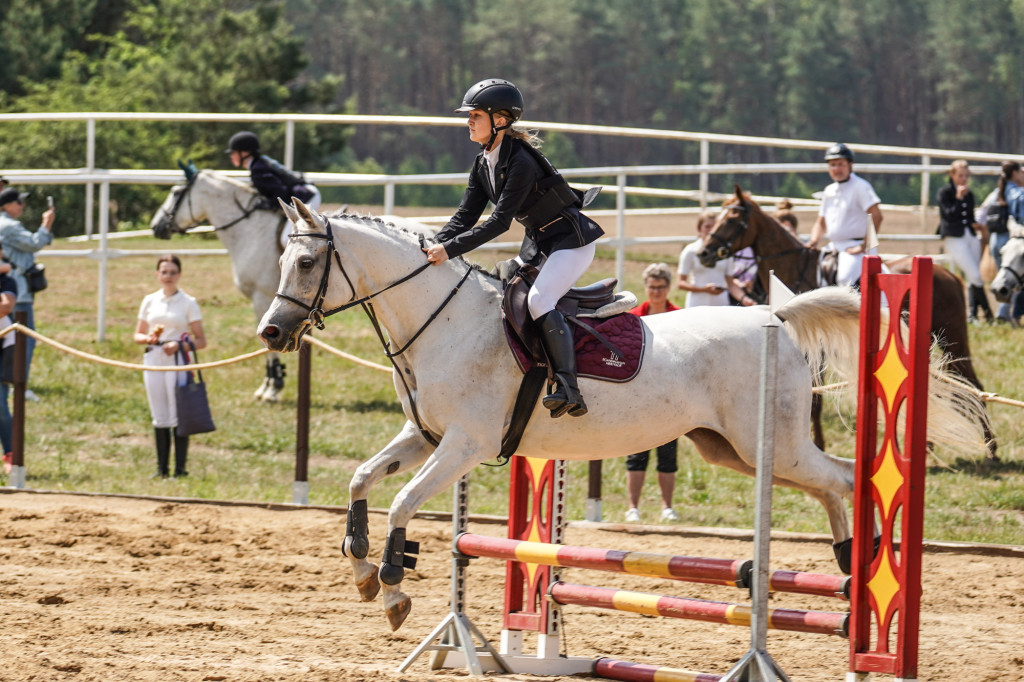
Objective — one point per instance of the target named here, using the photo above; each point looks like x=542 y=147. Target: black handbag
x=35 y=278
x=193 y=406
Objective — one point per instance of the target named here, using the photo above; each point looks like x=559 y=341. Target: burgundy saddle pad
x=593 y=359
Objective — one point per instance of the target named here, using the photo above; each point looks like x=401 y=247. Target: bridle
x=1016 y=275
x=169 y=217
x=317 y=315
x=723 y=246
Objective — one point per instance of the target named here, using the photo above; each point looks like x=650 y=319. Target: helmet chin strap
x=494 y=133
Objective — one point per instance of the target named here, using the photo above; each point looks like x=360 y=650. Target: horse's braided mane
x=374 y=221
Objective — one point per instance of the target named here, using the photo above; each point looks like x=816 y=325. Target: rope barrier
x=984 y=396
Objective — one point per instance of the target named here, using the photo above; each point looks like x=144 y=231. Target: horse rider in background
x=271 y=178
x=843 y=217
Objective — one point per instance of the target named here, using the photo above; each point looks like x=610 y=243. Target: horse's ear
x=739 y=192
x=312 y=219
x=189 y=169
x=289 y=210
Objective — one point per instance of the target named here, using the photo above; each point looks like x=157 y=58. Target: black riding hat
x=243 y=141
x=839 y=151
x=494 y=95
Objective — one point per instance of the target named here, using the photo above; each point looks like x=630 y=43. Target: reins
x=317 y=314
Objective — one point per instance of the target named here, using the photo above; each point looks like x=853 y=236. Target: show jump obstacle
x=884 y=591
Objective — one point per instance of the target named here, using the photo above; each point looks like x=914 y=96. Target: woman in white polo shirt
x=165 y=315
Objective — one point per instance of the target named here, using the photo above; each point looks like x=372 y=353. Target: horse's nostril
x=269 y=332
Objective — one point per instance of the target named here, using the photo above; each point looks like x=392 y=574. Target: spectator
x=8 y=297
x=844 y=212
x=1009 y=197
x=507 y=173
x=270 y=178
x=20 y=246
x=708 y=286
x=165 y=317
x=657 y=282
x=963 y=236
x=784 y=214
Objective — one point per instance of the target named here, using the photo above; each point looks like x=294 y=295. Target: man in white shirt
x=846 y=206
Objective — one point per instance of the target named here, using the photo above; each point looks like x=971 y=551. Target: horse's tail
x=825 y=325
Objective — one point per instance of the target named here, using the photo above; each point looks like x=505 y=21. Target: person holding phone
x=708 y=286
x=20 y=246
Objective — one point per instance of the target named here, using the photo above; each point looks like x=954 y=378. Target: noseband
x=723 y=247
x=169 y=216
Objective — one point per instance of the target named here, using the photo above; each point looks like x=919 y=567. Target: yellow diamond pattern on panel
x=536 y=465
x=888 y=479
x=891 y=374
x=884 y=586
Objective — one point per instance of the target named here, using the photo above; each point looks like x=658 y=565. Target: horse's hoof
x=369 y=587
x=399 y=612
x=271 y=394
x=258 y=393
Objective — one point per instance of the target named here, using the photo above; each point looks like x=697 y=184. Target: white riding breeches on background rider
x=160 y=387
x=965 y=253
x=559 y=272
x=313 y=204
x=849 y=265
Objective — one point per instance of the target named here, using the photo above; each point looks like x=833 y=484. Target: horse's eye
x=306 y=263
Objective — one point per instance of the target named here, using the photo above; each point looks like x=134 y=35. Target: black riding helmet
x=839 y=151
x=495 y=96
x=243 y=141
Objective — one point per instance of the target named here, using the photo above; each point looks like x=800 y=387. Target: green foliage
x=172 y=55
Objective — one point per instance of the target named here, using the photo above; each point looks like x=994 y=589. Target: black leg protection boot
x=972 y=304
x=276 y=373
x=163 y=452
x=558 y=343
x=399 y=554
x=981 y=301
x=180 y=455
x=357 y=531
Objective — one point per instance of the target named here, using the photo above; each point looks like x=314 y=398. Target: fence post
x=17 y=475
x=620 y=207
x=289 y=143
x=300 y=487
x=926 y=179
x=90 y=165
x=705 y=159
x=593 y=505
x=101 y=289
x=389 y=198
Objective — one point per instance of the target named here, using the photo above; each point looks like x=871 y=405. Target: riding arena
x=117 y=585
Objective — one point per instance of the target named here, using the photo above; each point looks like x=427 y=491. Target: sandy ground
x=104 y=588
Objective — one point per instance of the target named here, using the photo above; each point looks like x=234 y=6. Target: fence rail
x=91 y=177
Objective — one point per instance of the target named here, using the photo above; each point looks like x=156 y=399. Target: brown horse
x=744 y=224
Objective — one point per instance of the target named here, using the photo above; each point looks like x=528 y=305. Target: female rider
x=522 y=185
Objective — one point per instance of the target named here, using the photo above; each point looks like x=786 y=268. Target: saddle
x=828 y=268
x=609 y=339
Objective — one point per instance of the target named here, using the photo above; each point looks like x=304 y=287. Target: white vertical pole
x=90 y=165
x=101 y=293
x=705 y=158
x=925 y=191
x=289 y=143
x=389 y=198
x=620 y=207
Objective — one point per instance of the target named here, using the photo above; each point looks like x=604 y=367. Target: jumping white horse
x=457 y=380
x=249 y=233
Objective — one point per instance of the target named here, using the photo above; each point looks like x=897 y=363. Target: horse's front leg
x=457 y=454
x=407 y=450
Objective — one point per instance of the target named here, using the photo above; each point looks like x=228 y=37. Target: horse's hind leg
x=258 y=394
x=272 y=386
x=830 y=480
x=408 y=449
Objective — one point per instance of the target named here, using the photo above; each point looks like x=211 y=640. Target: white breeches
x=313 y=204
x=965 y=253
x=160 y=388
x=848 y=268
x=559 y=273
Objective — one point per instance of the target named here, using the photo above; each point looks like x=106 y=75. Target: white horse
x=249 y=233
x=1010 y=277
x=457 y=380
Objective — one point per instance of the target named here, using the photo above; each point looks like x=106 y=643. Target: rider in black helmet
x=510 y=173
x=270 y=178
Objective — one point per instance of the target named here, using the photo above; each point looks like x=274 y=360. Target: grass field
x=91 y=430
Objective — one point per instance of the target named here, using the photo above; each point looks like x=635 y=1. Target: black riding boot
x=558 y=343
x=163 y=452
x=978 y=303
x=180 y=455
